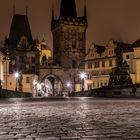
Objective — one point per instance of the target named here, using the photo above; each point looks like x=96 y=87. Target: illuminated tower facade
x=69 y=36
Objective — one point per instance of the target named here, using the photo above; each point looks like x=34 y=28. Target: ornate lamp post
x=68 y=87
x=82 y=76
x=16 y=76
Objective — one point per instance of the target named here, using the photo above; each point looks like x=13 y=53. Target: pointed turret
x=52 y=21
x=68 y=8
x=19 y=27
x=85 y=10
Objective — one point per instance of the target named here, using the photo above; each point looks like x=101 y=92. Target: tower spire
x=68 y=8
x=52 y=21
x=85 y=10
x=52 y=13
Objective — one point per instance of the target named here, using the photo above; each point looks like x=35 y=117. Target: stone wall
x=118 y=91
x=12 y=94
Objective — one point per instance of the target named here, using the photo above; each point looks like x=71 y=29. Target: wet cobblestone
x=82 y=119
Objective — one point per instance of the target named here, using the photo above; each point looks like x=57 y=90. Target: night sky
x=107 y=19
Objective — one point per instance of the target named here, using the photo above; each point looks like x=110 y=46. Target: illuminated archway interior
x=51 y=85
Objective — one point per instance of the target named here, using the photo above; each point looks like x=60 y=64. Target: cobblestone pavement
x=77 y=119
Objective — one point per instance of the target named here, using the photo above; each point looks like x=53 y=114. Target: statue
x=119 y=58
x=20 y=82
x=119 y=75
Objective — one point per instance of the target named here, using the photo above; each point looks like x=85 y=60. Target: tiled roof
x=125 y=46
x=136 y=43
x=19 y=27
x=100 y=49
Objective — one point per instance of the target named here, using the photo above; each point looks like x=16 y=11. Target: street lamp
x=16 y=76
x=82 y=76
x=68 y=87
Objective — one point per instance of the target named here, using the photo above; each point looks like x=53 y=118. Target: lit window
x=105 y=84
x=101 y=84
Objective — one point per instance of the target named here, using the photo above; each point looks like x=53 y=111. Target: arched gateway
x=50 y=85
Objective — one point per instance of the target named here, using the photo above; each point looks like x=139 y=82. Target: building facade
x=101 y=59
x=98 y=64
x=23 y=56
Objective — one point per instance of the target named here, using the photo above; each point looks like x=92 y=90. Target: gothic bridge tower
x=69 y=36
x=69 y=42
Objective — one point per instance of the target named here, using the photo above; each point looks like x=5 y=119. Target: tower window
x=110 y=63
x=73 y=64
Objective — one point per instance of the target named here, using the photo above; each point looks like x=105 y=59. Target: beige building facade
x=101 y=59
x=10 y=82
x=98 y=64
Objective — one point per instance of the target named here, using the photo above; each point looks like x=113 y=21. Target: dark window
x=96 y=64
x=103 y=63
x=21 y=59
x=93 y=85
x=89 y=65
x=127 y=56
x=89 y=77
x=89 y=86
x=33 y=69
x=73 y=64
x=110 y=63
x=33 y=60
x=27 y=79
